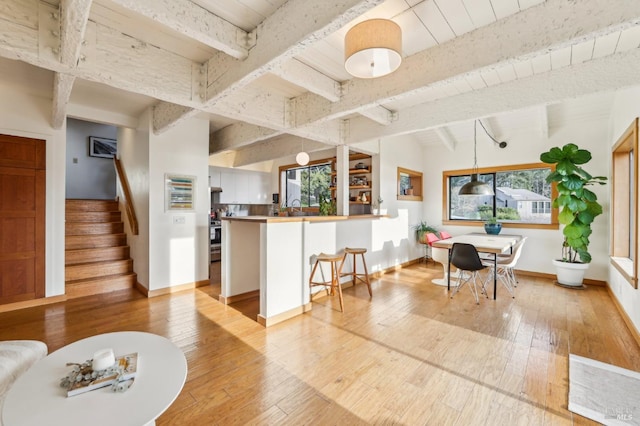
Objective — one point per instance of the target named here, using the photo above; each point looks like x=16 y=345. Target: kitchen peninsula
x=273 y=256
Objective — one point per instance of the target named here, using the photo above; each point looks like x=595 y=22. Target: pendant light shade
x=475 y=187
x=373 y=48
x=302 y=158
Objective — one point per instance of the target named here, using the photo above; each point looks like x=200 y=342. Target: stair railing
x=128 y=198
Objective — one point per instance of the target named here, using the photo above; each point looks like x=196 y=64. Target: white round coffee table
x=36 y=398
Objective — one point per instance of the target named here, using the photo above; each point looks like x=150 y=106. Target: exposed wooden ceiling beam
x=280 y=37
x=193 y=21
x=74 y=15
x=306 y=77
x=283 y=146
x=380 y=115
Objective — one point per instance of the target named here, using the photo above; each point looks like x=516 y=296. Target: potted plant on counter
x=578 y=208
x=327 y=206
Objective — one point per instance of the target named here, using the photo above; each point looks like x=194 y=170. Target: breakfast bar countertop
x=282 y=219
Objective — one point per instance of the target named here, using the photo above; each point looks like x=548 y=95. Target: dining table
x=484 y=243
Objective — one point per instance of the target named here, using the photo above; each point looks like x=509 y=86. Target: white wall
x=525 y=147
x=166 y=253
x=625 y=109
x=90 y=177
x=29 y=116
x=179 y=252
x=133 y=151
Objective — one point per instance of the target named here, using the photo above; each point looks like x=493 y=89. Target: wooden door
x=22 y=219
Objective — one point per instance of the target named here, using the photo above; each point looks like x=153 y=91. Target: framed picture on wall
x=102 y=147
x=179 y=192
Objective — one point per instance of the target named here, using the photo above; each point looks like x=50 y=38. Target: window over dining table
x=522 y=197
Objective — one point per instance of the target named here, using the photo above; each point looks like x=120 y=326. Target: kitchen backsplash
x=243 y=209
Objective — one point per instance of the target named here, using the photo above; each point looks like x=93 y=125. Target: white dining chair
x=505 y=265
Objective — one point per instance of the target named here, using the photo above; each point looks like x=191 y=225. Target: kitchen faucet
x=299 y=204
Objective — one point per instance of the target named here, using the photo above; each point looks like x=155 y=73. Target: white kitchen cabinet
x=259 y=184
x=244 y=187
x=214 y=177
x=228 y=185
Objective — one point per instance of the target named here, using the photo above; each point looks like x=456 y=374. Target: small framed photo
x=102 y=147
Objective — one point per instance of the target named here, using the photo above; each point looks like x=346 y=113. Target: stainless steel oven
x=216 y=240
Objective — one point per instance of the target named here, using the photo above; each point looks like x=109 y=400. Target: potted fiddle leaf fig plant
x=578 y=208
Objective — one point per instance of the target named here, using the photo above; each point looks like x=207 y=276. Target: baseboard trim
x=239 y=297
x=552 y=277
x=625 y=317
x=394 y=268
x=283 y=316
x=32 y=303
x=169 y=290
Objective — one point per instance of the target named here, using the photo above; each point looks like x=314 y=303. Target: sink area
x=299 y=213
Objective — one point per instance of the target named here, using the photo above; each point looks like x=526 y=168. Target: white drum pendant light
x=373 y=48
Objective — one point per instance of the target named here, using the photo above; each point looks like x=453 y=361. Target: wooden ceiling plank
x=629 y=39
x=445 y=138
x=605 y=45
x=561 y=58
x=582 y=52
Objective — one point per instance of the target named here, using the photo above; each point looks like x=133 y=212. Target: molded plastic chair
x=465 y=257
x=505 y=265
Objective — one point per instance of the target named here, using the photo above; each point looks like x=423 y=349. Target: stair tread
x=101 y=278
x=97 y=248
x=101 y=262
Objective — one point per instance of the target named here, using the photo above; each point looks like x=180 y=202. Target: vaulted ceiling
x=269 y=74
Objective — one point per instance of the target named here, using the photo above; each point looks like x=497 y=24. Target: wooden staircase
x=96 y=251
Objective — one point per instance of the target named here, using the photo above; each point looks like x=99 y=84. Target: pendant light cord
x=475 y=143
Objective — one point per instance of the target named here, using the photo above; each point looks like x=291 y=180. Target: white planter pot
x=570 y=274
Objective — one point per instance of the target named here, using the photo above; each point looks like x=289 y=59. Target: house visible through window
x=304 y=186
x=522 y=195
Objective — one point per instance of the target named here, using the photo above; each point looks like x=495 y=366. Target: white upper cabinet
x=243 y=186
x=214 y=177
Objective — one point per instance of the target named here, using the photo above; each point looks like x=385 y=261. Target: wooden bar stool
x=354 y=274
x=333 y=260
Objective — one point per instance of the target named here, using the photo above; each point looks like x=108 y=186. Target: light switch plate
x=179 y=220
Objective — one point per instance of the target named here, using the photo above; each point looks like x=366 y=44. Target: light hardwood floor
x=409 y=356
